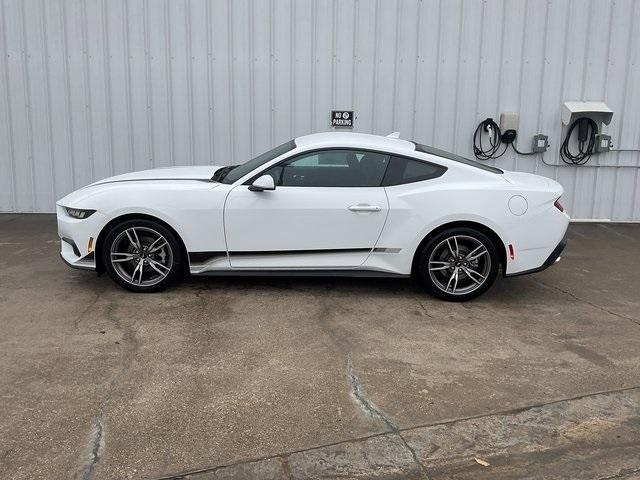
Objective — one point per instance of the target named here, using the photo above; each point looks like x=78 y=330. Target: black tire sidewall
x=176 y=251
x=425 y=253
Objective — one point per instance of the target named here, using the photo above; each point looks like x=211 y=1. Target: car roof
x=390 y=144
x=354 y=140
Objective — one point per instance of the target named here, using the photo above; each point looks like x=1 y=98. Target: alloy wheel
x=459 y=264
x=141 y=256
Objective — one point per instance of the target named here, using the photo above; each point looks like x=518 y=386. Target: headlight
x=78 y=212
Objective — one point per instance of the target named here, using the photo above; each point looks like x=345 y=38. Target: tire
x=476 y=264
x=151 y=268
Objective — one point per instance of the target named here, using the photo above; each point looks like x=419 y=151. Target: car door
x=327 y=211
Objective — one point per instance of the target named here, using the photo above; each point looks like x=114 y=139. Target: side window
x=331 y=168
x=404 y=170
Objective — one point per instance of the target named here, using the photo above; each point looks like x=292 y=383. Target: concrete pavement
x=319 y=378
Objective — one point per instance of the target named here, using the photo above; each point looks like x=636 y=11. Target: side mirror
x=265 y=182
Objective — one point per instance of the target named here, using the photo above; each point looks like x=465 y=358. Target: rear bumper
x=553 y=258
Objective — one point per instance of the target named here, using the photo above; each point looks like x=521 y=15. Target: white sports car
x=325 y=204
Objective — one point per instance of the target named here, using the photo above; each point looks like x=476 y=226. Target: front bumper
x=553 y=258
x=82 y=264
x=74 y=235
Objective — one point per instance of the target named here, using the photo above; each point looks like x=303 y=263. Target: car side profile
x=330 y=204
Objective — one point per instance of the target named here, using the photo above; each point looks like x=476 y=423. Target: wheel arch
x=133 y=216
x=489 y=232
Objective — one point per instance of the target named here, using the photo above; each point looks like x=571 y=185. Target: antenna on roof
x=394 y=135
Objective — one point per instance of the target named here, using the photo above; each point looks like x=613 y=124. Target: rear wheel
x=142 y=255
x=458 y=264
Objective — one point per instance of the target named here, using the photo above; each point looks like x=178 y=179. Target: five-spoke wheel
x=141 y=255
x=458 y=264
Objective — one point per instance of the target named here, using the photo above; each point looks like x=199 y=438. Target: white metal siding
x=90 y=89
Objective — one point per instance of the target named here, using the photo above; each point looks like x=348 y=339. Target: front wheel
x=458 y=264
x=142 y=255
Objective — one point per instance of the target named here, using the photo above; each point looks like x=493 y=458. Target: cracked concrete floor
x=319 y=378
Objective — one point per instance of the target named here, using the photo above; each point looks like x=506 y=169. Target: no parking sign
x=342 y=118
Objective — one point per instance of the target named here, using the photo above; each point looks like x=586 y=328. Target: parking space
x=310 y=378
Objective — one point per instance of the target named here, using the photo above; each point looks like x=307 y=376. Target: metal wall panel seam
x=582 y=89
x=622 y=116
x=87 y=89
x=189 y=41
x=542 y=76
x=416 y=74
x=457 y=84
x=437 y=74
x=395 y=68
x=148 y=85
x=563 y=71
x=521 y=73
x=169 y=79
x=579 y=172
x=586 y=53
x=210 y=91
x=107 y=82
x=481 y=57
x=312 y=99
x=5 y=63
x=252 y=63
x=70 y=124
x=292 y=69
x=333 y=54
x=375 y=64
x=354 y=63
x=47 y=89
x=272 y=83
x=501 y=56
x=604 y=92
x=634 y=196
x=127 y=80
x=27 y=102
x=232 y=120
x=500 y=62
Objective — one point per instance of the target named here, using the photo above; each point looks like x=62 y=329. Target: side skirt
x=299 y=273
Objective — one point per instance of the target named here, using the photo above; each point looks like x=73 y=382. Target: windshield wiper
x=219 y=174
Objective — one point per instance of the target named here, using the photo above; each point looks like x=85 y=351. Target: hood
x=169 y=173
x=198 y=173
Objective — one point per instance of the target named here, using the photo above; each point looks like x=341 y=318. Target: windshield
x=456 y=158
x=233 y=173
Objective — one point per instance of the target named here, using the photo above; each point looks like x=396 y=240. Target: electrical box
x=509 y=126
x=540 y=143
x=603 y=143
x=509 y=121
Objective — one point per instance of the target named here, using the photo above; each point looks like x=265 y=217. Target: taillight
x=558 y=205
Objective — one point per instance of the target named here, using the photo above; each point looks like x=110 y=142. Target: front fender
x=192 y=208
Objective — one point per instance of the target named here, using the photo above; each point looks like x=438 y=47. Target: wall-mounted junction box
x=540 y=143
x=603 y=143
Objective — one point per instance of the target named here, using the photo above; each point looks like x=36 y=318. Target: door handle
x=363 y=207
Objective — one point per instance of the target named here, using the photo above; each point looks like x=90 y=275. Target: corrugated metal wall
x=90 y=88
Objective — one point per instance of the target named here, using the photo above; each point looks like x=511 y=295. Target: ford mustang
x=330 y=204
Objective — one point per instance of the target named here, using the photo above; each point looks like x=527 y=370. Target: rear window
x=456 y=158
x=405 y=170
